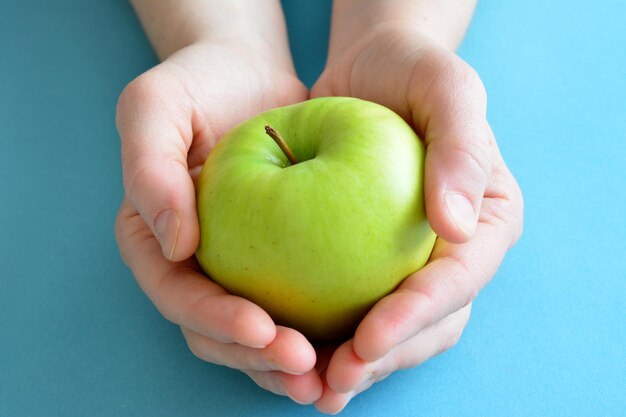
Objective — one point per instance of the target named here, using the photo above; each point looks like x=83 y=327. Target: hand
x=472 y=202
x=169 y=119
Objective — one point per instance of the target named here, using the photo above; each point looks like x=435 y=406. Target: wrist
x=251 y=50
x=442 y=23
x=172 y=25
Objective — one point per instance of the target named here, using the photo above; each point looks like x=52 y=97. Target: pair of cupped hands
x=171 y=117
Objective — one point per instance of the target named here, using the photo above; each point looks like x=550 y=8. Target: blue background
x=547 y=336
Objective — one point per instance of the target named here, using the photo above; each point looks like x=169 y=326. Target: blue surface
x=547 y=336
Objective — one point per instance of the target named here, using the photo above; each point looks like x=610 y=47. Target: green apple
x=317 y=242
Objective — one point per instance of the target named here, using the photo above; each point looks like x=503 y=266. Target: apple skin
x=317 y=243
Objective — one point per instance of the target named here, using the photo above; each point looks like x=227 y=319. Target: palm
x=226 y=87
x=392 y=68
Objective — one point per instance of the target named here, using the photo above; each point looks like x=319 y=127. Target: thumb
x=458 y=162
x=154 y=123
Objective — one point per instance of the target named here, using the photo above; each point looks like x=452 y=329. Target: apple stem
x=281 y=143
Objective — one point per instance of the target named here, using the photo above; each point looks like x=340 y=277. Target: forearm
x=173 y=24
x=445 y=22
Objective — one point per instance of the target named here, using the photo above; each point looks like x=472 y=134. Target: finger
x=451 y=280
x=346 y=370
x=458 y=165
x=185 y=296
x=348 y=375
x=289 y=352
x=154 y=121
x=332 y=402
x=303 y=389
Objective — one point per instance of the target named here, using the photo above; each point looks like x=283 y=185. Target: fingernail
x=461 y=212
x=166 y=226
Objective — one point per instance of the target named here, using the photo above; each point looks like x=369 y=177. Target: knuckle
x=145 y=86
x=506 y=210
x=199 y=308
x=459 y=284
x=129 y=98
x=473 y=82
x=466 y=80
x=497 y=212
x=474 y=157
x=400 y=323
x=130 y=232
x=415 y=308
x=144 y=175
x=138 y=171
x=156 y=88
